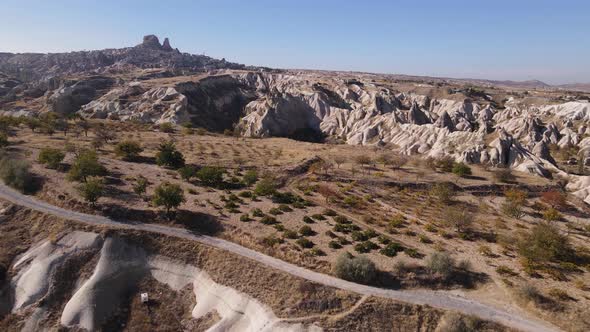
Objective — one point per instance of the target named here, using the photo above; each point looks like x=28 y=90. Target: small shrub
x=461 y=169
x=485 y=250
x=341 y=220
x=559 y=294
x=329 y=213
x=168 y=156
x=505 y=270
x=334 y=245
x=440 y=263
x=411 y=252
x=245 y=217
x=356 y=269
x=210 y=175
x=250 y=177
x=444 y=192
x=391 y=249
x=128 y=150
x=245 y=194
x=552 y=214
x=285 y=208
x=504 y=175
x=265 y=187
x=16 y=174
x=257 y=213
x=268 y=220
x=290 y=234
x=317 y=252
x=307 y=220
x=365 y=247
x=275 y=211
x=271 y=241
x=318 y=216
x=358 y=236
x=304 y=243
x=306 y=231
x=166 y=127
x=140 y=185
x=52 y=158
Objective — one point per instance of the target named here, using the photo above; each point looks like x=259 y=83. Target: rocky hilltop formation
x=154 y=83
x=149 y=54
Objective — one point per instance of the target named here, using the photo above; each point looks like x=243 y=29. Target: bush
x=250 y=177
x=515 y=200
x=505 y=270
x=391 y=249
x=307 y=220
x=441 y=263
x=306 y=231
x=544 y=243
x=304 y=243
x=290 y=234
x=365 y=247
x=166 y=127
x=459 y=218
x=187 y=172
x=86 y=164
x=317 y=252
x=257 y=213
x=551 y=214
x=168 y=195
x=444 y=192
x=128 y=150
x=168 y=156
x=555 y=199
x=211 y=176
x=52 y=158
x=91 y=190
x=318 y=216
x=16 y=174
x=285 y=208
x=411 y=252
x=461 y=169
x=268 y=220
x=140 y=185
x=334 y=245
x=266 y=186
x=356 y=269
x=504 y=175
x=329 y=213
x=445 y=164
x=245 y=217
x=358 y=236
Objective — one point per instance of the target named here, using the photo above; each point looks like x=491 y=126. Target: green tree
x=91 y=190
x=211 y=176
x=168 y=156
x=187 y=172
x=51 y=158
x=128 y=150
x=86 y=164
x=168 y=195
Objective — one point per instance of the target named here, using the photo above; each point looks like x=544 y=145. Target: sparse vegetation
x=357 y=269
x=51 y=158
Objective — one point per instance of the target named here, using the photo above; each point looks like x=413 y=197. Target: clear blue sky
x=496 y=39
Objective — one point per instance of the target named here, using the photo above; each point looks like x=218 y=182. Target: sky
x=493 y=39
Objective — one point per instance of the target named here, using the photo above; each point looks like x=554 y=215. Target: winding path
x=435 y=299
